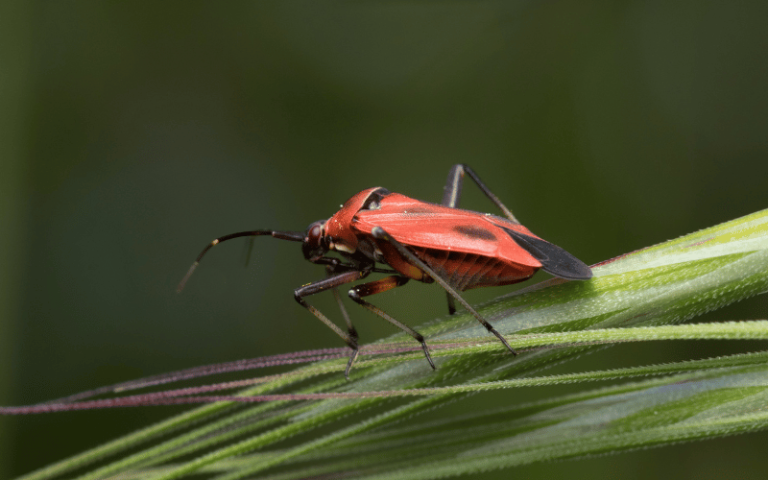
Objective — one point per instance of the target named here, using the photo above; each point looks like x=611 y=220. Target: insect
x=457 y=249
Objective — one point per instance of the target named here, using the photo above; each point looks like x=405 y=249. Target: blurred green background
x=132 y=134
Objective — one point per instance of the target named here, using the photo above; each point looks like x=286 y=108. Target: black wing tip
x=554 y=260
x=579 y=271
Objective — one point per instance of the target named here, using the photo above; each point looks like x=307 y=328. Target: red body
x=469 y=249
x=458 y=249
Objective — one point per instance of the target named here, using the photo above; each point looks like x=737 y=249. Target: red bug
x=458 y=249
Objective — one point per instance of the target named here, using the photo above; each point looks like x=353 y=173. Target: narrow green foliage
x=682 y=407
x=637 y=297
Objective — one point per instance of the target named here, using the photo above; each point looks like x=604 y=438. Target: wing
x=554 y=260
x=427 y=225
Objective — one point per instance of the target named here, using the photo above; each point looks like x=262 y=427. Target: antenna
x=292 y=236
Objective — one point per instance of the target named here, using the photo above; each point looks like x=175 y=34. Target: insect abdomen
x=465 y=271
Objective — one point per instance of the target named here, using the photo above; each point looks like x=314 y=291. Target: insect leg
x=381 y=234
x=452 y=197
x=329 y=271
x=451 y=304
x=379 y=286
x=452 y=191
x=328 y=284
x=339 y=266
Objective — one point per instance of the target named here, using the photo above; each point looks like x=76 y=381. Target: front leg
x=329 y=272
x=328 y=284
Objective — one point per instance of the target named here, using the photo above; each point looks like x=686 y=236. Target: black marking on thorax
x=373 y=202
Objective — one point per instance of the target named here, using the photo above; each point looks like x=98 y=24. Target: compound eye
x=314 y=237
x=314 y=245
x=315 y=234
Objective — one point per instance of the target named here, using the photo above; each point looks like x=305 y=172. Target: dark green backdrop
x=133 y=134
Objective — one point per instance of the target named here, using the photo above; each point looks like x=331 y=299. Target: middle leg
x=381 y=234
x=379 y=286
